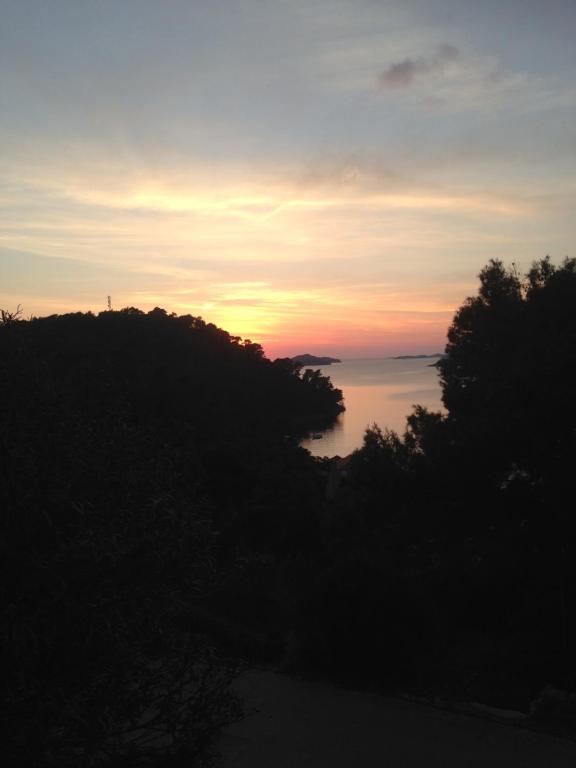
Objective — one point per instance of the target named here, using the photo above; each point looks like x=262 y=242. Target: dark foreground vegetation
x=141 y=460
x=161 y=526
x=449 y=564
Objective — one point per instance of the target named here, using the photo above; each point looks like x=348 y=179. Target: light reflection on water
x=380 y=391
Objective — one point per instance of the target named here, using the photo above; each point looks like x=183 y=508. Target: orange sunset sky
x=320 y=176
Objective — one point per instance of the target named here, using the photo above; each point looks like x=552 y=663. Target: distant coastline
x=417 y=357
x=307 y=359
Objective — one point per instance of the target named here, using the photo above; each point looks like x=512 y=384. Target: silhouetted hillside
x=161 y=367
x=142 y=458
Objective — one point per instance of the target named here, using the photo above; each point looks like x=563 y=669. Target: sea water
x=378 y=391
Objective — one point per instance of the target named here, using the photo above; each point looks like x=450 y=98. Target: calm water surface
x=379 y=390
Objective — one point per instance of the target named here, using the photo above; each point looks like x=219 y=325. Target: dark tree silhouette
x=507 y=374
x=449 y=556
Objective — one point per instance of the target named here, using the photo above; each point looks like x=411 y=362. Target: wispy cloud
x=402 y=74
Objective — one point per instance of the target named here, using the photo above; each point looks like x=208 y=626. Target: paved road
x=311 y=725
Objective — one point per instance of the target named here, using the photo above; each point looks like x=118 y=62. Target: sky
x=323 y=176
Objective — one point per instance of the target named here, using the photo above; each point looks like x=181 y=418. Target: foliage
x=132 y=446
x=506 y=376
x=100 y=550
x=448 y=558
x=161 y=518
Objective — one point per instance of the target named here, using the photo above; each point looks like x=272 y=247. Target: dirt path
x=311 y=725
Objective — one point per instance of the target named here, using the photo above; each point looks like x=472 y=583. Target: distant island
x=312 y=360
x=417 y=357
